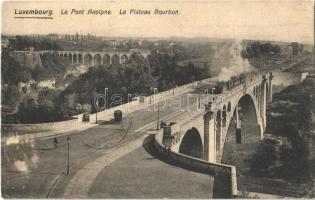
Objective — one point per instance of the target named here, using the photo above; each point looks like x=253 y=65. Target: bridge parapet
x=226 y=96
x=87 y=57
x=225 y=174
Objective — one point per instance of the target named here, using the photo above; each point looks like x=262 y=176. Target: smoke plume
x=235 y=64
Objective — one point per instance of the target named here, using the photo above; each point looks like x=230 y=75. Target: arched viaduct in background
x=236 y=116
x=86 y=57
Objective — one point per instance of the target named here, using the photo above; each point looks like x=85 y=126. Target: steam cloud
x=236 y=64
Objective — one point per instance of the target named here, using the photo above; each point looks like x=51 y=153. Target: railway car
x=221 y=86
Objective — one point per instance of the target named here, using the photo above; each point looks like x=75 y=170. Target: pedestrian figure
x=168 y=150
x=55 y=142
x=163 y=124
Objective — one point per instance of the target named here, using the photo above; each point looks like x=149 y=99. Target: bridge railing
x=228 y=94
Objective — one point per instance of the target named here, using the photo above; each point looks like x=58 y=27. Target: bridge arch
x=191 y=144
x=229 y=107
x=115 y=59
x=87 y=59
x=97 y=60
x=75 y=58
x=224 y=115
x=124 y=59
x=70 y=58
x=55 y=57
x=243 y=126
x=267 y=88
x=80 y=58
x=106 y=59
x=63 y=58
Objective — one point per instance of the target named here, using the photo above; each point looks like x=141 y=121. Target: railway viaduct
x=88 y=58
x=236 y=116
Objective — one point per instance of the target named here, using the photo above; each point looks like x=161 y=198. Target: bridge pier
x=218 y=132
x=270 y=87
x=77 y=61
x=237 y=125
x=209 y=137
x=83 y=55
x=102 y=57
x=263 y=101
x=71 y=59
x=261 y=126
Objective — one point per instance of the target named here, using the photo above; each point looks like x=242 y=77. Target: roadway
x=94 y=153
x=140 y=174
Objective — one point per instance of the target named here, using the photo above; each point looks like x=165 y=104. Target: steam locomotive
x=221 y=86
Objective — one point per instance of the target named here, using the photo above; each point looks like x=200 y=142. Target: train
x=234 y=81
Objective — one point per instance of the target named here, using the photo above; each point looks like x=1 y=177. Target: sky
x=279 y=20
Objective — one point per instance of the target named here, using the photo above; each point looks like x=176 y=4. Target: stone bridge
x=237 y=115
x=88 y=58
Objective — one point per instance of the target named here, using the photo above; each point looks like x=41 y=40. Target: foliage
x=294 y=107
x=10 y=96
x=45 y=109
x=257 y=49
x=23 y=43
x=138 y=76
x=266 y=159
x=11 y=71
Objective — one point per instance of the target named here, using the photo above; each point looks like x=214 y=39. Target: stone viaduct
x=235 y=116
x=88 y=58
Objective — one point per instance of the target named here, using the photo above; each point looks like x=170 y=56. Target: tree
x=27 y=112
x=266 y=159
x=11 y=71
x=10 y=96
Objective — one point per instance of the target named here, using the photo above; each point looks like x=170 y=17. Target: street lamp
x=68 y=164
x=207 y=91
x=212 y=93
x=151 y=89
x=158 y=118
x=158 y=112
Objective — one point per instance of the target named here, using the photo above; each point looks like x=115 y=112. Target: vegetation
x=22 y=43
x=11 y=71
x=257 y=49
x=290 y=121
x=30 y=103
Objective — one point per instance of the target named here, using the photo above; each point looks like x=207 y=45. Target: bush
x=267 y=158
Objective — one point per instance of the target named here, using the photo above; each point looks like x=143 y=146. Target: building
x=5 y=42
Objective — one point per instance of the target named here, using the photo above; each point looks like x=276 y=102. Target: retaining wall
x=225 y=172
x=21 y=129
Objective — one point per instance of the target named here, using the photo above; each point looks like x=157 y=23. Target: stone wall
x=43 y=129
x=225 y=173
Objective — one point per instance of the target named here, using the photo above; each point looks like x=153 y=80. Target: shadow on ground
x=220 y=189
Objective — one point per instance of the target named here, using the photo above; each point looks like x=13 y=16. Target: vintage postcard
x=182 y=99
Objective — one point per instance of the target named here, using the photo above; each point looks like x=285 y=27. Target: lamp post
x=151 y=89
x=96 y=112
x=68 y=164
x=158 y=118
x=158 y=112
x=207 y=91
x=212 y=93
